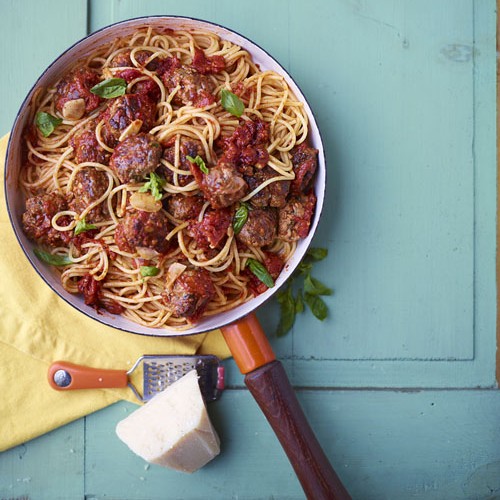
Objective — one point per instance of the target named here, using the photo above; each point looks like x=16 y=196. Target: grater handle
x=267 y=380
x=64 y=376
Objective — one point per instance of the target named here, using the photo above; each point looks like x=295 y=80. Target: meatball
x=135 y=157
x=148 y=88
x=77 y=85
x=260 y=229
x=305 y=163
x=86 y=147
x=190 y=294
x=193 y=87
x=88 y=186
x=123 y=110
x=37 y=219
x=273 y=195
x=295 y=217
x=143 y=229
x=122 y=59
x=184 y=207
x=222 y=186
x=187 y=147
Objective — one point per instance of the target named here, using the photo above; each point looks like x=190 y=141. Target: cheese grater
x=158 y=372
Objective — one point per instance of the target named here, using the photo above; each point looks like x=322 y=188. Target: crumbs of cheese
x=173 y=428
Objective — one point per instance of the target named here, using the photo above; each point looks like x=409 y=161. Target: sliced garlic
x=147 y=253
x=74 y=109
x=174 y=271
x=145 y=202
x=132 y=129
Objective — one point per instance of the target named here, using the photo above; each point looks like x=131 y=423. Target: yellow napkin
x=37 y=328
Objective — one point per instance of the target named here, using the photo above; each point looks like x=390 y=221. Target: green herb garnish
x=292 y=304
x=312 y=286
x=240 y=217
x=316 y=254
x=260 y=271
x=149 y=271
x=317 y=306
x=53 y=260
x=155 y=184
x=287 y=311
x=112 y=87
x=198 y=160
x=299 y=303
x=47 y=123
x=82 y=226
x=231 y=103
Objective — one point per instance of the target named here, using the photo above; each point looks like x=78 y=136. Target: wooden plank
x=429 y=445
x=383 y=444
x=32 y=35
x=47 y=468
x=399 y=142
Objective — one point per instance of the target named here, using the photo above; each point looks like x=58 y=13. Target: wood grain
x=271 y=389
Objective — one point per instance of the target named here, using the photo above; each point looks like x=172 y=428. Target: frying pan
x=264 y=375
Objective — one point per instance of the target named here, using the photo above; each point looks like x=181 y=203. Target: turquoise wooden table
x=399 y=382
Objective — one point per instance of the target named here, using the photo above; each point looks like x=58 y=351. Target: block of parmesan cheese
x=173 y=428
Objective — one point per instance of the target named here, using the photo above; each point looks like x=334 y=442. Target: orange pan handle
x=267 y=380
x=65 y=376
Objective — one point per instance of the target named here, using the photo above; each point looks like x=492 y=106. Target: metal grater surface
x=161 y=371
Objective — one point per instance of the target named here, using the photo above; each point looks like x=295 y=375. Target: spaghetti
x=159 y=168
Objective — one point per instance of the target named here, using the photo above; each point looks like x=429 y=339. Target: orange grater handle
x=64 y=376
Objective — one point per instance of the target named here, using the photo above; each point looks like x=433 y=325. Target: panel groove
x=498 y=200
x=406 y=390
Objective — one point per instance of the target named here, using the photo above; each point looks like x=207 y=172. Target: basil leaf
x=317 y=253
x=53 y=260
x=287 y=312
x=46 y=123
x=240 y=217
x=317 y=306
x=304 y=267
x=299 y=303
x=82 y=226
x=149 y=271
x=259 y=270
x=112 y=87
x=231 y=103
x=199 y=161
x=313 y=286
x=155 y=184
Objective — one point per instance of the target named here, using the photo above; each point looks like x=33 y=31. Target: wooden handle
x=267 y=381
x=65 y=376
x=273 y=392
